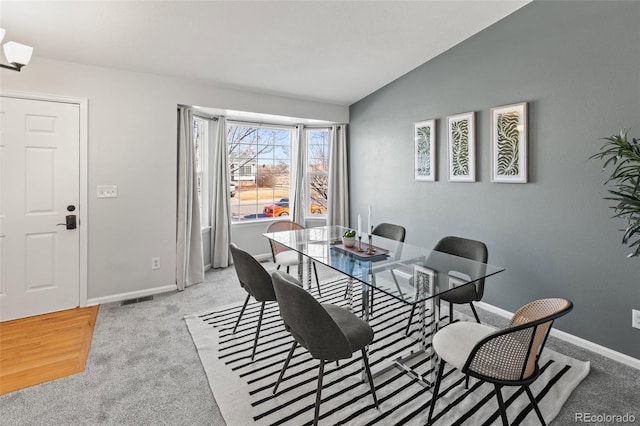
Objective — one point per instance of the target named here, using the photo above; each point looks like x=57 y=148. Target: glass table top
x=404 y=271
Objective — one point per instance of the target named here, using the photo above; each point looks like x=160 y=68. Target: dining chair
x=284 y=256
x=257 y=283
x=507 y=357
x=329 y=332
x=392 y=232
x=469 y=249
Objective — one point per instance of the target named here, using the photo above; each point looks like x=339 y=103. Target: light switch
x=107 y=191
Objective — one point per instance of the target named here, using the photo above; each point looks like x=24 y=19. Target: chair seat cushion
x=287 y=258
x=460 y=295
x=357 y=331
x=455 y=342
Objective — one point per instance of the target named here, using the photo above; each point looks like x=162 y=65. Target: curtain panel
x=189 y=257
x=338 y=198
x=220 y=197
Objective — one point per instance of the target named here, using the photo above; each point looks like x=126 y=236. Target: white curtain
x=220 y=204
x=189 y=257
x=338 y=199
x=298 y=163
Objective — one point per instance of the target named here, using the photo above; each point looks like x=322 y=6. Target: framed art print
x=424 y=133
x=509 y=143
x=461 y=143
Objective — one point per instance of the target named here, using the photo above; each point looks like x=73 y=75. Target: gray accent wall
x=577 y=64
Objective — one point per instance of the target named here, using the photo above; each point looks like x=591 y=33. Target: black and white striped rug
x=243 y=389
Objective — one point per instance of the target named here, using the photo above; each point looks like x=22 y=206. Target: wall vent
x=137 y=300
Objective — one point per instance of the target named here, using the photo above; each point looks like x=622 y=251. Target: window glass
x=259 y=161
x=200 y=137
x=317 y=171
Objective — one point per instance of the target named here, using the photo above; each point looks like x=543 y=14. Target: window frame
x=308 y=173
x=290 y=129
x=204 y=172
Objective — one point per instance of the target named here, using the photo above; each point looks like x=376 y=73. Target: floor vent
x=137 y=300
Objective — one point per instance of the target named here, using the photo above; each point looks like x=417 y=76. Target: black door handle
x=70 y=222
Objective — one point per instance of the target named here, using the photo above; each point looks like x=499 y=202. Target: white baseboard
x=131 y=295
x=570 y=338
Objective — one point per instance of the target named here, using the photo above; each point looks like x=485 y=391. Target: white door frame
x=83 y=103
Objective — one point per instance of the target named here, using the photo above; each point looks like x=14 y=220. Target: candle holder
x=360 y=244
x=370 y=249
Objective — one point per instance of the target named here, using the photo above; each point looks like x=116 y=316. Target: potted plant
x=349 y=238
x=624 y=155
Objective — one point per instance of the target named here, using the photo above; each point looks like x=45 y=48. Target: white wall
x=132 y=144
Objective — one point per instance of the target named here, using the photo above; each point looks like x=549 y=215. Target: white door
x=39 y=188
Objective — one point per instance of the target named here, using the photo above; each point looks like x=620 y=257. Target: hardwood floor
x=45 y=347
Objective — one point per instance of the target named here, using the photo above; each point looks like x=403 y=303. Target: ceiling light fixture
x=17 y=54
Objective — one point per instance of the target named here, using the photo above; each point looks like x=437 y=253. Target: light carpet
x=243 y=389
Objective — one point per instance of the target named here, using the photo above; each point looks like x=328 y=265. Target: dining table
x=412 y=274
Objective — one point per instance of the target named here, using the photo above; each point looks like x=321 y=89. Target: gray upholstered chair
x=469 y=249
x=392 y=232
x=257 y=283
x=284 y=256
x=507 y=357
x=328 y=332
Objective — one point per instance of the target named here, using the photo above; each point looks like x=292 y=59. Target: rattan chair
x=507 y=357
x=328 y=332
x=257 y=283
x=284 y=256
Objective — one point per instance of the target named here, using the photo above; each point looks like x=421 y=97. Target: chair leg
x=371 y=303
x=475 y=314
x=241 y=312
x=368 y=371
x=535 y=405
x=436 y=388
x=278 y=268
x=286 y=364
x=315 y=271
x=413 y=310
x=503 y=410
x=255 y=340
x=318 y=393
x=450 y=312
x=287 y=269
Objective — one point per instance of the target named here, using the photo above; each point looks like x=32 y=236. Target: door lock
x=70 y=222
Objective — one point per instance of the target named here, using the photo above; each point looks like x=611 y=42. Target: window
x=317 y=170
x=201 y=147
x=259 y=162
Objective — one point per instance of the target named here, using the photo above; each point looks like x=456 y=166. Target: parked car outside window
x=281 y=208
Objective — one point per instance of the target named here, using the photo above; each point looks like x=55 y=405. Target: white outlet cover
x=107 y=191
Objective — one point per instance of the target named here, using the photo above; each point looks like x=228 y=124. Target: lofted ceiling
x=330 y=51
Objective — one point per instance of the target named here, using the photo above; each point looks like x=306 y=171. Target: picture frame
x=461 y=143
x=509 y=143
x=424 y=281
x=424 y=133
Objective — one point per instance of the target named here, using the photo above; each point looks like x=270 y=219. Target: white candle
x=359 y=234
x=369 y=221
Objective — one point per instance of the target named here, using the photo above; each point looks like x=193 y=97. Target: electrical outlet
x=155 y=263
x=635 y=318
x=107 y=191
